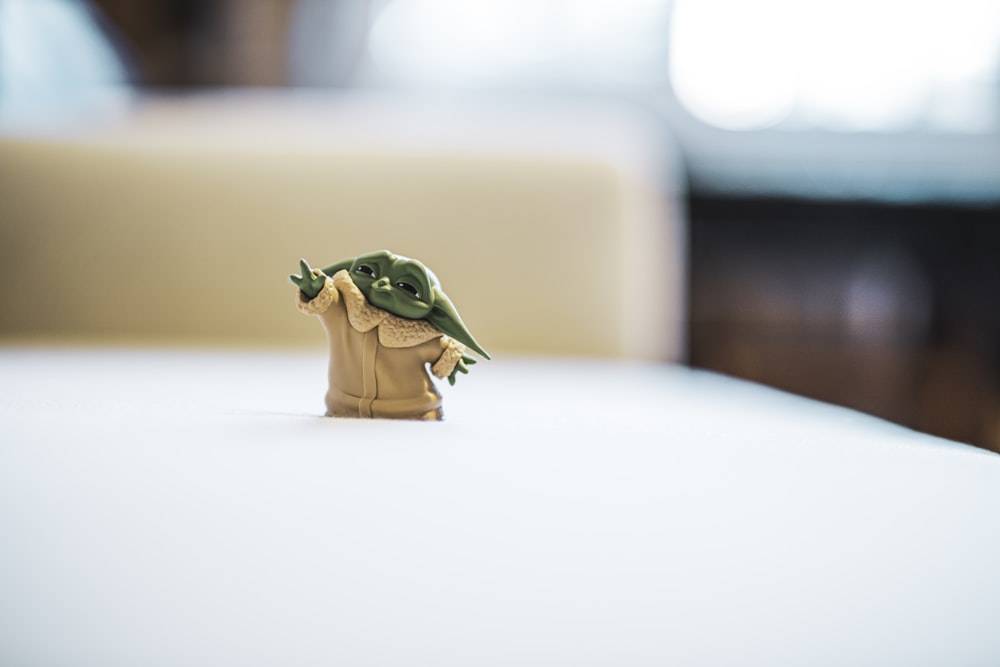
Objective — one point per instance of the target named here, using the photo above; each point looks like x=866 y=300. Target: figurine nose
x=382 y=283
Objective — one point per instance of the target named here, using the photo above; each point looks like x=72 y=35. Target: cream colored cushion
x=552 y=227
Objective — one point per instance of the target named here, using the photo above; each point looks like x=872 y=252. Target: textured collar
x=393 y=331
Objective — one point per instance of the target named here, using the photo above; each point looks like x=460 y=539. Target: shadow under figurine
x=386 y=319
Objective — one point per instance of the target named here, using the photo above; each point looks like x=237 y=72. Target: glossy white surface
x=163 y=508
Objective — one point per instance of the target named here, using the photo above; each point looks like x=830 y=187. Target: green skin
x=401 y=286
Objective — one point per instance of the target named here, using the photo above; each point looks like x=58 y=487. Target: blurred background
x=826 y=173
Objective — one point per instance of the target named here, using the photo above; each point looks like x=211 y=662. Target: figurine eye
x=408 y=288
x=365 y=269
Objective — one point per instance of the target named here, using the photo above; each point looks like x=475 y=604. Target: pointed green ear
x=445 y=318
x=342 y=265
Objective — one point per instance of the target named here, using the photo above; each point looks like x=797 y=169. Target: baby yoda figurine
x=386 y=319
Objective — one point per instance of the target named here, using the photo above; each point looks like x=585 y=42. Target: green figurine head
x=406 y=288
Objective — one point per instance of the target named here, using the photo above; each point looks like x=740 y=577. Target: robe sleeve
x=449 y=358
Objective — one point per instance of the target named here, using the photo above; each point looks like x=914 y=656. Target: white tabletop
x=182 y=507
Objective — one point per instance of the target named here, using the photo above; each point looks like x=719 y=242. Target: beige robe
x=378 y=361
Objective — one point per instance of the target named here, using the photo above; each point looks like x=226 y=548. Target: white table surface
x=191 y=508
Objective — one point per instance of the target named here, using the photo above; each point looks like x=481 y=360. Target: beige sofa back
x=548 y=228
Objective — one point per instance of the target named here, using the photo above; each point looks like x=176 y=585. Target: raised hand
x=309 y=284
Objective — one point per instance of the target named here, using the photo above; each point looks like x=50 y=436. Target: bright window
x=881 y=65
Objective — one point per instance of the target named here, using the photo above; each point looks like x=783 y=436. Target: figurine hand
x=310 y=284
x=461 y=367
